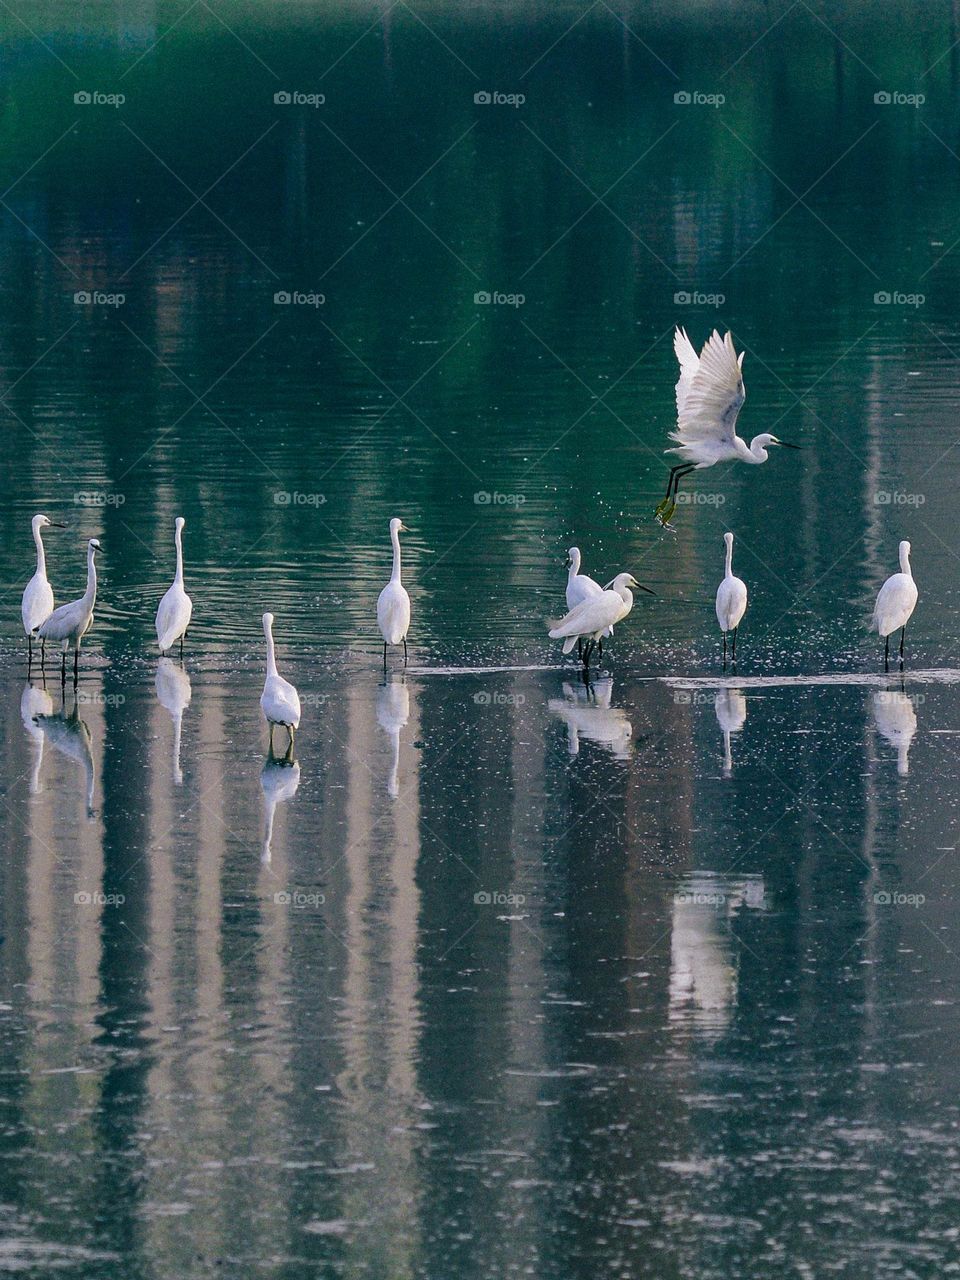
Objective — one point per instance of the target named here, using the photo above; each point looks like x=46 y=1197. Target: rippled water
x=507 y=974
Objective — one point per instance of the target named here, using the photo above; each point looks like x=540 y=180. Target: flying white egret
x=709 y=396
x=393 y=604
x=279 y=702
x=176 y=607
x=896 y=602
x=580 y=587
x=590 y=619
x=71 y=622
x=731 y=600
x=37 y=604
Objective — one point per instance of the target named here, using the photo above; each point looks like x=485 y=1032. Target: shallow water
x=508 y=974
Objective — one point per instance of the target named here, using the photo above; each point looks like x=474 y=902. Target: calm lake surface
x=507 y=975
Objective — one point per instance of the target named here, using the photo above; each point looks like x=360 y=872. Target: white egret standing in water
x=731 y=600
x=37 y=604
x=709 y=397
x=591 y=619
x=71 y=622
x=393 y=604
x=580 y=587
x=176 y=607
x=279 y=702
x=896 y=602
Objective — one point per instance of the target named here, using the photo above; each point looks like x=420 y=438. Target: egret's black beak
x=646 y=589
x=55 y=525
x=784 y=445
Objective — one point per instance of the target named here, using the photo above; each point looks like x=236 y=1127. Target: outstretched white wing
x=689 y=364
x=714 y=397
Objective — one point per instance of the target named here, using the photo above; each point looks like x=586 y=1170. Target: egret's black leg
x=600 y=647
x=404 y=650
x=588 y=648
x=43 y=652
x=181 y=646
x=76 y=664
x=579 y=646
x=29 y=651
x=735 y=630
x=384 y=655
x=724 y=648
x=902 y=630
x=682 y=471
x=886 y=654
x=63 y=668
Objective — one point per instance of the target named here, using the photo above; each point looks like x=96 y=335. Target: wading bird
x=71 y=622
x=709 y=396
x=176 y=607
x=896 y=602
x=279 y=702
x=393 y=604
x=590 y=619
x=37 y=604
x=731 y=601
x=581 y=587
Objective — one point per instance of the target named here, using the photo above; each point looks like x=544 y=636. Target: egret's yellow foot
x=664 y=512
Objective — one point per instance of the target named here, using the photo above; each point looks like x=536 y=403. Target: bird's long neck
x=905 y=563
x=178 y=576
x=729 y=562
x=574 y=568
x=41 y=558
x=271 y=653
x=756 y=453
x=90 y=594
x=395 y=539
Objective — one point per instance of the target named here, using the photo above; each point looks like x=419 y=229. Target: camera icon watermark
x=894 y=298
x=488 y=699
x=896 y=498
x=488 y=498
x=98 y=498
x=890 y=898
x=693 y=298
x=97 y=298
x=288 y=498
x=95 y=98
x=699 y=498
x=895 y=98
x=694 y=98
x=296 y=298
x=96 y=898
x=492 y=298
x=494 y=98
x=296 y=98
x=496 y=898
x=299 y=898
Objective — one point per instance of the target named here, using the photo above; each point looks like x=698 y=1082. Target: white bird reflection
x=895 y=716
x=703 y=964
x=393 y=712
x=173 y=692
x=279 y=779
x=731 y=710
x=70 y=735
x=587 y=713
x=34 y=702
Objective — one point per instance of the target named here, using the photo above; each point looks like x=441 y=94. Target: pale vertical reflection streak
x=381 y=1016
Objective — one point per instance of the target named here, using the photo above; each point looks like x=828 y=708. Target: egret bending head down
x=710 y=395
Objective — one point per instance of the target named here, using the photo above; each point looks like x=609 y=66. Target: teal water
x=509 y=975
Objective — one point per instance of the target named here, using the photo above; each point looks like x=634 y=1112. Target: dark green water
x=701 y=1020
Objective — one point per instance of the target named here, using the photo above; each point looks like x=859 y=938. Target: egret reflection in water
x=393 y=712
x=173 y=692
x=70 y=735
x=731 y=710
x=587 y=713
x=35 y=702
x=895 y=715
x=279 y=780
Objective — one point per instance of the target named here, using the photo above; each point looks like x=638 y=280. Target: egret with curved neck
x=37 y=603
x=393 y=603
x=710 y=395
x=176 y=607
x=71 y=622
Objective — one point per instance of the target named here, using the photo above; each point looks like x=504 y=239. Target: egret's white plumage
x=393 y=604
x=591 y=618
x=580 y=586
x=71 y=622
x=731 y=598
x=279 y=702
x=896 y=602
x=710 y=394
x=176 y=607
x=37 y=603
